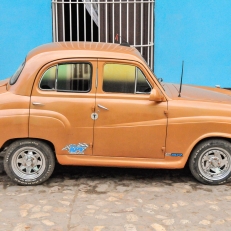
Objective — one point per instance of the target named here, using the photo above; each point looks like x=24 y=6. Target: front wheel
x=210 y=161
x=29 y=162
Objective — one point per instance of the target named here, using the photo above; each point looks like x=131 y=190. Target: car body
x=99 y=104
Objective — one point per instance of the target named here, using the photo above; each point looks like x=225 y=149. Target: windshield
x=15 y=76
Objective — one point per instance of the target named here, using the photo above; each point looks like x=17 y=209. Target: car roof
x=87 y=49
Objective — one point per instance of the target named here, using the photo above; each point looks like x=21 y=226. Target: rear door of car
x=62 y=101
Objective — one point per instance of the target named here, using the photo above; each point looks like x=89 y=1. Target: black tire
x=29 y=162
x=210 y=161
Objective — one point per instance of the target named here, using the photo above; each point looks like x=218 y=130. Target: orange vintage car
x=98 y=104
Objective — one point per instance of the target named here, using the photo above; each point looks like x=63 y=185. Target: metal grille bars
x=113 y=21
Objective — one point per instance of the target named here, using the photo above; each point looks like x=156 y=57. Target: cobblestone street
x=87 y=198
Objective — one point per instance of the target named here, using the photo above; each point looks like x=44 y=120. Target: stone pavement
x=88 y=198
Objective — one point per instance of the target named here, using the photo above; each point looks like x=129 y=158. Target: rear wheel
x=29 y=162
x=210 y=161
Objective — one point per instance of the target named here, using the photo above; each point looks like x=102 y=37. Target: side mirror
x=156 y=95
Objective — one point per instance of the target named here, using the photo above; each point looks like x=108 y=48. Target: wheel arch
x=203 y=139
x=9 y=142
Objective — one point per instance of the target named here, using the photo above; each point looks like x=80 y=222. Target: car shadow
x=76 y=172
x=133 y=175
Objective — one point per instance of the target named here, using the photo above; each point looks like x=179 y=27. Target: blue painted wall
x=24 y=24
x=198 y=32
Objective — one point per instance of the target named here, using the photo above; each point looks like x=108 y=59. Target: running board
x=168 y=162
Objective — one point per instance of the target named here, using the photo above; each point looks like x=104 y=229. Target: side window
x=142 y=85
x=48 y=79
x=74 y=77
x=118 y=78
x=122 y=78
x=68 y=77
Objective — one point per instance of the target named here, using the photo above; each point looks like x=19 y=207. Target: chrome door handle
x=37 y=104
x=100 y=106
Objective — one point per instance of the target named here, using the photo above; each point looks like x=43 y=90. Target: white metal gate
x=113 y=21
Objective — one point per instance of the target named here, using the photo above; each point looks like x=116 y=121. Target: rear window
x=16 y=75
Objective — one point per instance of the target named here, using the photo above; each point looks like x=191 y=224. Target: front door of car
x=62 y=102
x=127 y=124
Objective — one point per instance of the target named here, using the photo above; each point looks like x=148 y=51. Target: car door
x=127 y=123
x=62 y=101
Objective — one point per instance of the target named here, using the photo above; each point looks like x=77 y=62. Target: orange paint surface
x=120 y=129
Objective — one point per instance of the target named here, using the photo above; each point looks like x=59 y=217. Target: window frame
x=56 y=78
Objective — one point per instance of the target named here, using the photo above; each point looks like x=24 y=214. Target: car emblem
x=174 y=154
x=76 y=148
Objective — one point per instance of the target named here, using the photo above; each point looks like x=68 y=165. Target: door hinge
x=166 y=112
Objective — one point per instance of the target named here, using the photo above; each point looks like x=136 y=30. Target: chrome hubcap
x=28 y=163
x=214 y=163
